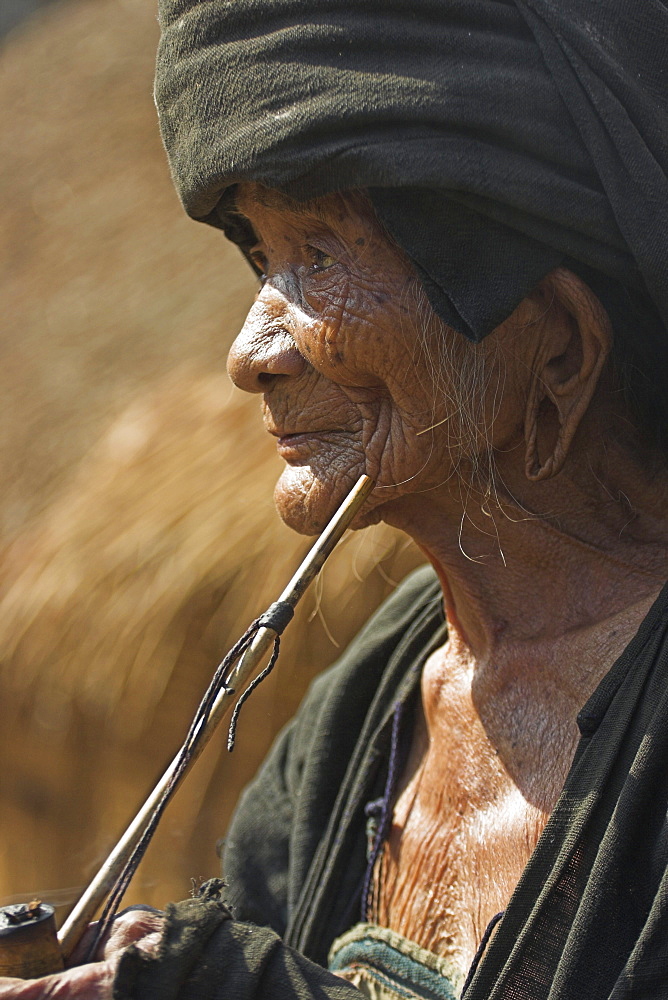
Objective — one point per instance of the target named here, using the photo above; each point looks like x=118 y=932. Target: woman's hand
x=95 y=980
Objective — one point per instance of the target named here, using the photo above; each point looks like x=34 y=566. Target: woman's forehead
x=256 y=201
x=249 y=195
x=266 y=208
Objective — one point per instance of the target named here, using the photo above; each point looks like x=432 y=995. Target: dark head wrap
x=497 y=138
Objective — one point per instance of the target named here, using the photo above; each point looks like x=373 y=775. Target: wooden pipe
x=17 y=939
x=29 y=945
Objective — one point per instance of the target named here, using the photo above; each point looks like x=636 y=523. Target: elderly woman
x=459 y=216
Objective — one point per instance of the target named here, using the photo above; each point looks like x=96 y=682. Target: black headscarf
x=497 y=138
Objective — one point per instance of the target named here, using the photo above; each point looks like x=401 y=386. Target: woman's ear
x=575 y=340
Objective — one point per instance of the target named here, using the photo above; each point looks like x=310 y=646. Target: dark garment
x=589 y=918
x=497 y=137
x=206 y=956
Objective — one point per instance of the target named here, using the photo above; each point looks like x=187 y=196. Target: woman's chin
x=306 y=501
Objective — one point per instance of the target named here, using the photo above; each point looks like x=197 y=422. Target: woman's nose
x=264 y=350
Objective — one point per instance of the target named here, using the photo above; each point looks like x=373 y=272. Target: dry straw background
x=137 y=531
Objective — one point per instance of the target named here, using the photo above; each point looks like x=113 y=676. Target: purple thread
x=386 y=807
x=481 y=951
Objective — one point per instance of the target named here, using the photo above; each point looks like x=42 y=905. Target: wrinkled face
x=342 y=345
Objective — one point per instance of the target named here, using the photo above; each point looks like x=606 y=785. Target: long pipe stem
x=85 y=909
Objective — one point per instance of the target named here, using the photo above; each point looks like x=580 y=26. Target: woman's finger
x=140 y=927
x=85 y=982
x=128 y=928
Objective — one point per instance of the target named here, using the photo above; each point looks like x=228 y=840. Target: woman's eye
x=320 y=260
x=260 y=262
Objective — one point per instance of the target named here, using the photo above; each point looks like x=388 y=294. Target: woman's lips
x=294 y=436
x=298 y=444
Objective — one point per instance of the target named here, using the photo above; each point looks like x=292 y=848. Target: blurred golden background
x=137 y=530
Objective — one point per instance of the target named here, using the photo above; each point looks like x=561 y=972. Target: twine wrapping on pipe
x=276 y=618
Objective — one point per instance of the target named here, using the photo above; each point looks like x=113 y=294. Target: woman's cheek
x=325 y=292
x=330 y=342
x=352 y=335
x=323 y=344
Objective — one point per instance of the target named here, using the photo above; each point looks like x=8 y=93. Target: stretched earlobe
x=576 y=338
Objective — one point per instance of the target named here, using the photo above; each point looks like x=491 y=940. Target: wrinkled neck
x=541 y=560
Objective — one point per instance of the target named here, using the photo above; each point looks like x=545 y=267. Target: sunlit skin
x=545 y=577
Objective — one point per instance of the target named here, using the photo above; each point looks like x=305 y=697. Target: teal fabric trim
x=395 y=963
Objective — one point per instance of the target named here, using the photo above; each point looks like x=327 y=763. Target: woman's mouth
x=300 y=444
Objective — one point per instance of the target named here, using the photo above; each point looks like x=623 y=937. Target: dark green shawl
x=498 y=137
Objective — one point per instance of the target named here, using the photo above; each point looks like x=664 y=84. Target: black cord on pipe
x=277 y=617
